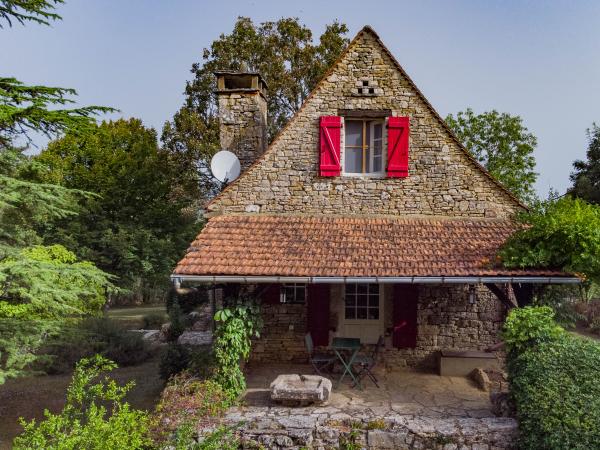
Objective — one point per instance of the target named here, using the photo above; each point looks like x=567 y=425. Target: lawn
x=132 y=316
x=27 y=397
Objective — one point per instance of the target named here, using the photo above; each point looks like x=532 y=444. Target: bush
x=184 y=400
x=95 y=336
x=529 y=326
x=556 y=388
x=153 y=321
x=174 y=359
x=197 y=361
x=177 y=323
x=85 y=422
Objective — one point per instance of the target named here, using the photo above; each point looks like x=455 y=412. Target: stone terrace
x=411 y=410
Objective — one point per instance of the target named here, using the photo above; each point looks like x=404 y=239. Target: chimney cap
x=220 y=73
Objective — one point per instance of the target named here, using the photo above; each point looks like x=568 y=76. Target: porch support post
x=508 y=300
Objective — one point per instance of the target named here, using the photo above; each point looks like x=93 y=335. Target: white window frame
x=296 y=287
x=379 y=304
x=380 y=174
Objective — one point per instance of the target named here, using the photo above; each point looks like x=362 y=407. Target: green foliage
x=198 y=361
x=586 y=177
x=563 y=299
x=502 y=145
x=95 y=335
x=153 y=321
x=291 y=64
x=139 y=224
x=24 y=109
x=529 y=326
x=188 y=301
x=39 y=11
x=40 y=289
x=220 y=439
x=556 y=388
x=86 y=422
x=184 y=401
x=236 y=326
x=177 y=323
x=559 y=234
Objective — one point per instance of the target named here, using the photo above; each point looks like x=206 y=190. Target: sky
x=536 y=59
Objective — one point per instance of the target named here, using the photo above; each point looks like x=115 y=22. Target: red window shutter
x=330 y=130
x=397 y=157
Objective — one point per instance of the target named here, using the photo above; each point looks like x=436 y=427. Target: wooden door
x=318 y=313
x=406 y=299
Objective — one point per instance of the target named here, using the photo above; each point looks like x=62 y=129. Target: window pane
x=377 y=131
x=373 y=288
x=374 y=301
x=300 y=294
x=361 y=288
x=350 y=288
x=353 y=132
x=361 y=313
x=377 y=164
x=350 y=313
x=368 y=164
x=350 y=300
x=373 y=314
x=353 y=160
x=361 y=300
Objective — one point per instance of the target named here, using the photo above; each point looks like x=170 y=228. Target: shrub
x=220 y=439
x=95 y=336
x=198 y=361
x=177 y=323
x=185 y=400
x=556 y=388
x=529 y=326
x=174 y=359
x=153 y=321
x=85 y=422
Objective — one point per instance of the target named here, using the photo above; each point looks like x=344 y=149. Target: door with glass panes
x=362 y=316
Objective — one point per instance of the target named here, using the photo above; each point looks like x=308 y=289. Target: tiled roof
x=296 y=245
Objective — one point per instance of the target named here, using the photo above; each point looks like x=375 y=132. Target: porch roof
x=260 y=245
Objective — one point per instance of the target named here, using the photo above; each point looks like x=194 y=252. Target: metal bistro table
x=343 y=346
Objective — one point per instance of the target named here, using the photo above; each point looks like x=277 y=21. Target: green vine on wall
x=237 y=325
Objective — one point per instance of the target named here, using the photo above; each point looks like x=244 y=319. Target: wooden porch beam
x=508 y=301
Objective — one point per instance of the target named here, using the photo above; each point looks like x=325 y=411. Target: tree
x=41 y=287
x=561 y=234
x=26 y=108
x=40 y=11
x=586 y=177
x=503 y=145
x=284 y=54
x=138 y=224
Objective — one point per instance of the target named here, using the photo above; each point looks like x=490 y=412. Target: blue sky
x=538 y=59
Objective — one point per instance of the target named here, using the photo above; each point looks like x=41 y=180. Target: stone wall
x=445 y=319
x=282 y=336
x=327 y=428
x=442 y=179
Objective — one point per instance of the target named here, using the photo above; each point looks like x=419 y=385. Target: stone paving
x=411 y=410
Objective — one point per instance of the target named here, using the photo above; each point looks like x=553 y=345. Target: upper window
x=293 y=293
x=361 y=301
x=363 y=149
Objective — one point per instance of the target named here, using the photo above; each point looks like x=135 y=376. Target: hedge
x=555 y=383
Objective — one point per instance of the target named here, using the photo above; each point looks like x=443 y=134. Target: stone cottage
x=364 y=217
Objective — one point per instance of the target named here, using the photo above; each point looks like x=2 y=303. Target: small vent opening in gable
x=367 y=87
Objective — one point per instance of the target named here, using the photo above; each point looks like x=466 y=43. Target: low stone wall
x=327 y=428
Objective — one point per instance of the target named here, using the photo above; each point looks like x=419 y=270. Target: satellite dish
x=225 y=166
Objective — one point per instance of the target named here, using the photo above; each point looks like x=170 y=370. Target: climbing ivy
x=237 y=325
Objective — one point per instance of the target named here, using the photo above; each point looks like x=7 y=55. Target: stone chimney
x=242 y=114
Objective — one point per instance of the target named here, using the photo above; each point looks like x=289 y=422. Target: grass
x=28 y=397
x=132 y=316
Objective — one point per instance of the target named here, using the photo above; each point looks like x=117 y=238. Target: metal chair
x=366 y=363
x=319 y=361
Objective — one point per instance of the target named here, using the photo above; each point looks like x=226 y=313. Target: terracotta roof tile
x=280 y=245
